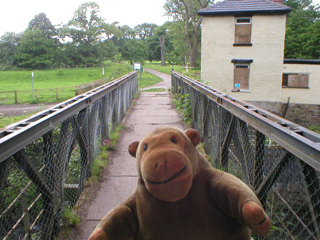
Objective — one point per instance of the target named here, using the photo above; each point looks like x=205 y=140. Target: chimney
x=277 y=1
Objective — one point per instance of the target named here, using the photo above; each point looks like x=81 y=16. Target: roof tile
x=245 y=7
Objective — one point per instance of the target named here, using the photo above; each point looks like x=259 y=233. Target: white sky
x=16 y=14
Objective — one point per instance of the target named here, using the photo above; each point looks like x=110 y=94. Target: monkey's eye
x=145 y=147
x=174 y=140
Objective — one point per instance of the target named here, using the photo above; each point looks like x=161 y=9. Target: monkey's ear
x=194 y=136
x=133 y=148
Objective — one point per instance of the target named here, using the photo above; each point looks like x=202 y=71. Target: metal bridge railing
x=278 y=159
x=46 y=159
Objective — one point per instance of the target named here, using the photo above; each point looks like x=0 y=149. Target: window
x=241 y=77
x=243 y=31
x=295 y=80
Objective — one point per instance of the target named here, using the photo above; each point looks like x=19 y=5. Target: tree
x=154 y=45
x=36 y=50
x=133 y=50
x=153 y=48
x=302 y=30
x=85 y=26
x=145 y=30
x=44 y=24
x=178 y=50
x=88 y=31
x=186 y=12
x=8 y=48
x=163 y=49
x=128 y=32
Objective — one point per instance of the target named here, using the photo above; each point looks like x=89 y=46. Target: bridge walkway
x=151 y=110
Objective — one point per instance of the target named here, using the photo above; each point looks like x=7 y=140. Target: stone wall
x=303 y=114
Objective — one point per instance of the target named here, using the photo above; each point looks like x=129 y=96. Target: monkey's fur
x=181 y=197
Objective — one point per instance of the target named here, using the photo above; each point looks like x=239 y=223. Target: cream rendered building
x=243 y=55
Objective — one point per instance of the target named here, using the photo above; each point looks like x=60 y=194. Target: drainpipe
x=285 y=111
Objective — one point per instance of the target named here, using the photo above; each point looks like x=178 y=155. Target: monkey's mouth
x=170 y=179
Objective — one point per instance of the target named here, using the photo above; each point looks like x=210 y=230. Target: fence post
x=259 y=159
x=57 y=96
x=226 y=141
x=26 y=220
x=312 y=185
x=16 y=96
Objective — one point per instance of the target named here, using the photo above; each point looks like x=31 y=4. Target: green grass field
x=21 y=80
x=76 y=78
x=52 y=79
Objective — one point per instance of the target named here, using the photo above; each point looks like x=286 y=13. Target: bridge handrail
x=20 y=134
x=278 y=159
x=46 y=159
x=299 y=140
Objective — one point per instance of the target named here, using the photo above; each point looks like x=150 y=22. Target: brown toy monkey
x=181 y=197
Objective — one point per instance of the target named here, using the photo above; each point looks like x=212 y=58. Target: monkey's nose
x=162 y=169
x=161 y=163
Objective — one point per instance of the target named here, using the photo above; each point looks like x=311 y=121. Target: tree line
x=88 y=40
x=302 y=30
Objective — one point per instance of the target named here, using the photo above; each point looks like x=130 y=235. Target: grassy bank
x=5 y=121
x=148 y=79
x=21 y=81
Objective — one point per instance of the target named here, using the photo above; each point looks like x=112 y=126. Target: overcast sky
x=16 y=14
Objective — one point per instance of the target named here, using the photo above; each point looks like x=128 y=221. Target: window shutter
x=298 y=80
x=241 y=77
x=243 y=33
x=303 y=80
x=295 y=80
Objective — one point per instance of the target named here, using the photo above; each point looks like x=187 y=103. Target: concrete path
x=151 y=110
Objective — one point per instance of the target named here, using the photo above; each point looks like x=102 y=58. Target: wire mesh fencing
x=278 y=159
x=45 y=160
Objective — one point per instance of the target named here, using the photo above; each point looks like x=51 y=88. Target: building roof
x=302 y=61
x=244 y=7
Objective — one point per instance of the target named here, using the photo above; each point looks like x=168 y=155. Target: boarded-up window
x=295 y=80
x=243 y=31
x=241 y=76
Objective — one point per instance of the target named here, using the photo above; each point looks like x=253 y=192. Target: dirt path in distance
x=24 y=109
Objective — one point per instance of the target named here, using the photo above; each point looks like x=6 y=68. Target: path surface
x=151 y=110
x=166 y=83
x=23 y=109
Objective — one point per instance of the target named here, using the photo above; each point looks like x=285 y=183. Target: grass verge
x=148 y=79
x=103 y=158
x=154 y=90
x=72 y=217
